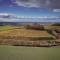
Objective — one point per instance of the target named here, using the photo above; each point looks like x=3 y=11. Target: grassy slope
x=21 y=32
x=51 y=27
x=29 y=53
x=2 y=28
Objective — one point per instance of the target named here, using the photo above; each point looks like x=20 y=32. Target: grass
x=48 y=27
x=26 y=53
x=15 y=35
x=3 y=28
x=15 y=31
x=26 y=33
x=29 y=53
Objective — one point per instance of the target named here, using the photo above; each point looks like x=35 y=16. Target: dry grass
x=52 y=27
x=24 y=37
x=25 y=33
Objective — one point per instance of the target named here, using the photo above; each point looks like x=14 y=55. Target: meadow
x=29 y=53
x=6 y=27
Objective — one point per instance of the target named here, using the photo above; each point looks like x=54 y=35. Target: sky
x=30 y=10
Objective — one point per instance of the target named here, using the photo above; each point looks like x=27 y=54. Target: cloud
x=51 y=4
x=8 y=17
x=56 y=10
x=32 y=3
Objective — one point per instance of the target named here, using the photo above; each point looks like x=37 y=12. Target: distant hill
x=9 y=23
x=24 y=23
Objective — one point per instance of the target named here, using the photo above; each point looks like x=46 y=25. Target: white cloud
x=56 y=10
x=8 y=17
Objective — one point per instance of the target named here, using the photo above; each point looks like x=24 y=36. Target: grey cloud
x=39 y=3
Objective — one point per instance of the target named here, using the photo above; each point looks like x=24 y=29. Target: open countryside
x=29 y=42
x=30 y=35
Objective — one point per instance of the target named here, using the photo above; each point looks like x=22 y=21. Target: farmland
x=22 y=36
x=25 y=33
x=19 y=35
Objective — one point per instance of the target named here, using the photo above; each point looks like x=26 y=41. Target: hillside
x=19 y=35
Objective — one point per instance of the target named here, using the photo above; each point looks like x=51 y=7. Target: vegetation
x=17 y=36
x=29 y=53
x=3 y=28
x=56 y=24
x=35 y=27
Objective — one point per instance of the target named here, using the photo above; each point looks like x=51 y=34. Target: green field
x=29 y=53
x=3 y=28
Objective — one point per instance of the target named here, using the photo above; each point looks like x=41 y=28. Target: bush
x=35 y=27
